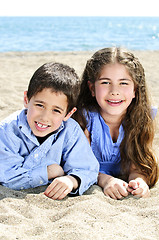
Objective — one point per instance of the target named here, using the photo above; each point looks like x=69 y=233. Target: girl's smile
x=114 y=91
x=114 y=102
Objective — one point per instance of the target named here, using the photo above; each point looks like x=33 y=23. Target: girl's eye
x=105 y=83
x=124 y=83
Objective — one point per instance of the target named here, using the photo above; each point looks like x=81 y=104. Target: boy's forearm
x=74 y=181
x=54 y=171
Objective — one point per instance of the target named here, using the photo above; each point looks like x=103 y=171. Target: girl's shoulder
x=91 y=115
x=93 y=120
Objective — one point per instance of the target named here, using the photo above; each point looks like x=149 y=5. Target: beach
x=29 y=214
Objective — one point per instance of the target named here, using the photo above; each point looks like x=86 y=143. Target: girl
x=115 y=114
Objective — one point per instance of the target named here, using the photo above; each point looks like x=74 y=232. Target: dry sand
x=29 y=214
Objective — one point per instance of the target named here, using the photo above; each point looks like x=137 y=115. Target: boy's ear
x=70 y=114
x=91 y=88
x=25 y=99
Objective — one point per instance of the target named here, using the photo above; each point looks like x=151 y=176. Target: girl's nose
x=114 y=90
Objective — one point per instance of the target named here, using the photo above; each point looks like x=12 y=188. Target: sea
x=40 y=34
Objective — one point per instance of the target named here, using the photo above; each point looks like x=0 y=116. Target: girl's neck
x=112 y=120
x=113 y=123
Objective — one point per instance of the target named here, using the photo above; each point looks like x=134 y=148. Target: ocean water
x=78 y=33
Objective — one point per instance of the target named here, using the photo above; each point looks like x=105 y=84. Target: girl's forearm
x=134 y=175
x=103 y=179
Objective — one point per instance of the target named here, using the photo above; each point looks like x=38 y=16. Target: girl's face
x=114 y=90
x=46 y=111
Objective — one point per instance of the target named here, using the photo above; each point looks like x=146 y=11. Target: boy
x=41 y=144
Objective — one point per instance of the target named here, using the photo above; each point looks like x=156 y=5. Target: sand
x=29 y=214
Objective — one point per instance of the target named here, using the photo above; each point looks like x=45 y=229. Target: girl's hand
x=60 y=187
x=115 y=188
x=139 y=188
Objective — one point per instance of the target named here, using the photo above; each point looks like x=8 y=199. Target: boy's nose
x=45 y=116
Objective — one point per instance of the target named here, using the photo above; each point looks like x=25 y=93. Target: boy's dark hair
x=59 y=78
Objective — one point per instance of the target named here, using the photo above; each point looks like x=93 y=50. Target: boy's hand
x=60 y=187
x=139 y=188
x=116 y=188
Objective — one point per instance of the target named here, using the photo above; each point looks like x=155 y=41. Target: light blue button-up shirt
x=106 y=151
x=24 y=161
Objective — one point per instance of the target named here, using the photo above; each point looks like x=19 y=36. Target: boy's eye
x=56 y=110
x=39 y=105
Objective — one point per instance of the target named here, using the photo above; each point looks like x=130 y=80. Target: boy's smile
x=41 y=126
x=46 y=111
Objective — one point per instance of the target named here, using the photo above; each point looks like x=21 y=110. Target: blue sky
x=79 y=8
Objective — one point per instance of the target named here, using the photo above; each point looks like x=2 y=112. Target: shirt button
x=36 y=155
x=41 y=182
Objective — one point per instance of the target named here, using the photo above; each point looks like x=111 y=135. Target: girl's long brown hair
x=135 y=149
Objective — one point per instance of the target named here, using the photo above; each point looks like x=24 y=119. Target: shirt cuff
x=38 y=176
x=75 y=192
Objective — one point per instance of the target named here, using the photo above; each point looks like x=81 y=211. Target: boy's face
x=46 y=111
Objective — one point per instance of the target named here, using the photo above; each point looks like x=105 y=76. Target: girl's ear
x=25 y=100
x=91 y=88
x=70 y=114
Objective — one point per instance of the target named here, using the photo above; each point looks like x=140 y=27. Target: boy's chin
x=42 y=135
